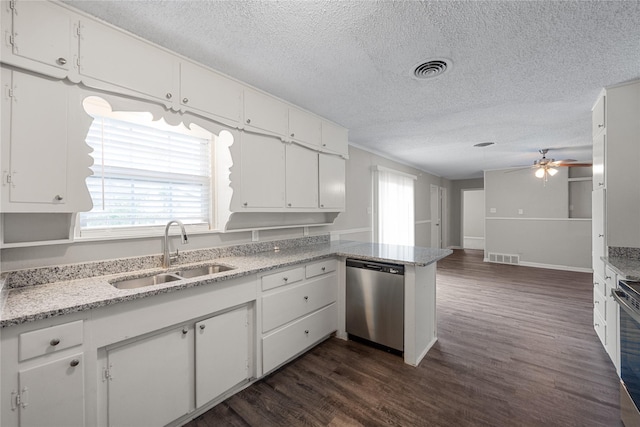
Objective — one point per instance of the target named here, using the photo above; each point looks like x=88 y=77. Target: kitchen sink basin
x=146 y=281
x=204 y=270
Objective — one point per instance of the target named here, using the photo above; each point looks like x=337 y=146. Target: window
x=395 y=224
x=145 y=173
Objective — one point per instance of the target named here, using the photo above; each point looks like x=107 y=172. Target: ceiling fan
x=547 y=167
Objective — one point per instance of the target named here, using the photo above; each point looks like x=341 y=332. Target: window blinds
x=145 y=176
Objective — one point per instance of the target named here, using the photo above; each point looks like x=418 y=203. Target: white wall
x=473 y=219
x=530 y=218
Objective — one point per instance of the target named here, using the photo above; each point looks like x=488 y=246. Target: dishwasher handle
x=376 y=266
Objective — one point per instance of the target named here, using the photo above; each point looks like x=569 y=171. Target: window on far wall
x=395 y=202
x=145 y=173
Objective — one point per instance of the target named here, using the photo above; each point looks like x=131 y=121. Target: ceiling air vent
x=431 y=69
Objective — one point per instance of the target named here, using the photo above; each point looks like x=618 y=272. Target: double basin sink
x=156 y=279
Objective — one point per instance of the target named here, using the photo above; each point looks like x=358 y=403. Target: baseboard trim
x=556 y=267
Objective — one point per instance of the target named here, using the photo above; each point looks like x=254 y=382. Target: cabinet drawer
x=599 y=283
x=287 y=342
x=282 y=278
x=49 y=340
x=610 y=279
x=601 y=327
x=321 y=267
x=290 y=303
x=599 y=302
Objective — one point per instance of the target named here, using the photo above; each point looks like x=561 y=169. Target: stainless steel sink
x=146 y=281
x=204 y=270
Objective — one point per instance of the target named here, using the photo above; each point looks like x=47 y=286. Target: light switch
x=492 y=210
x=520 y=211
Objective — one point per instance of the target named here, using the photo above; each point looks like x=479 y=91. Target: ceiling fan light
x=540 y=173
x=552 y=171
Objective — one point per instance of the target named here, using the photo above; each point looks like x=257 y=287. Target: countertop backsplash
x=43 y=275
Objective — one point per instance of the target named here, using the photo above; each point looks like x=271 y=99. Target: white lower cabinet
x=150 y=380
x=296 y=316
x=52 y=394
x=222 y=353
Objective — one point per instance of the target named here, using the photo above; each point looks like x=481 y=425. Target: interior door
x=436 y=217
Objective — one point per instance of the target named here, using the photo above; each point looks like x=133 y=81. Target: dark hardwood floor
x=516 y=347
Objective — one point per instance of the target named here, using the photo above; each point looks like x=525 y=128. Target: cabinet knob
x=185 y=100
x=74 y=363
x=54 y=342
x=185 y=331
x=289 y=204
x=248 y=121
x=306 y=332
x=203 y=326
x=61 y=61
x=292 y=135
x=322 y=206
x=600 y=125
x=58 y=197
x=169 y=95
x=324 y=145
x=245 y=204
x=306 y=298
x=323 y=268
x=285 y=278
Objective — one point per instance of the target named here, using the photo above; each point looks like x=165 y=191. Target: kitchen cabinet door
x=302 y=177
x=332 y=182
x=599 y=159
x=598 y=116
x=598 y=225
x=53 y=393
x=222 y=353
x=262 y=172
x=151 y=379
x=43 y=32
x=305 y=127
x=113 y=57
x=36 y=173
x=206 y=91
x=265 y=112
x=335 y=138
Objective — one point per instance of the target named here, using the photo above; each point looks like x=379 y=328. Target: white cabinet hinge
x=78 y=30
x=11 y=40
x=10 y=93
x=107 y=374
x=19 y=399
x=12 y=4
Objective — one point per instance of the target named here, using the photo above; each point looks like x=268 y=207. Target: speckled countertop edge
x=31 y=303
x=629 y=268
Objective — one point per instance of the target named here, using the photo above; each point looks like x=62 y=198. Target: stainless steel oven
x=628 y=297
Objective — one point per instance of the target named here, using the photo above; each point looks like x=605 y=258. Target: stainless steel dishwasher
x=375 y=302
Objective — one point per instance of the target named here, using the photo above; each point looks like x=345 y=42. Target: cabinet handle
x=202 y=326
x=245 y=204
x=289 y=204
x=596 y=284
x=248 y=121
x=600 y=235
x=306 y=298
x=607 y=277
x=596 y=302
x=58 y=197
x=600 y=125
x=74 y=363
x=185 y=100
x=185 y=331
x=54 y=342
x=601 y=184
x=323 y=268
x=169 y=95
x=285 y=278
x=61 y=61
x=306 y=332
x=596 y=324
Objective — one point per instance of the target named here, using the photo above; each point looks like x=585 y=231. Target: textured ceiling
x=525 y=74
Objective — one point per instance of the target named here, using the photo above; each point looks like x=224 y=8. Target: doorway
x=473 y=219
x=438 y=216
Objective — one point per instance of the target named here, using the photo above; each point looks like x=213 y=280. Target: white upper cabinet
x=305 y=127
x=332 y=182
x=116 y=58
x=206 y=91
x=41 y=32
x=262 y=164
x=335 y=138
x=301 y=177
x=265 y=112
x=599 y=153
x=598 y=116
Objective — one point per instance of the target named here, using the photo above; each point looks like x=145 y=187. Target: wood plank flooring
x=516 y=347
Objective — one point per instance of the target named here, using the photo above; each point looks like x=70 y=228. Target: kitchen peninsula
x=72 y=318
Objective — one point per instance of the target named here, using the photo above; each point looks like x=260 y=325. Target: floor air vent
x=504 y=258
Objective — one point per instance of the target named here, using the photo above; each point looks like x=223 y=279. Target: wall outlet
x=520 y=211
x=254 y=236
x=493 y=210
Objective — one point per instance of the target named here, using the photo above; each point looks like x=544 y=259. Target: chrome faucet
x=166 y=259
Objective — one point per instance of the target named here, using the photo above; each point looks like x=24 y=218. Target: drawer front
x=599 y=303
x=610 y=278
x=282 y=278
x=292 y=302
x=287 y=342
x=601 y=328
x=49 y=340
x=599 y=283
x=321 y=267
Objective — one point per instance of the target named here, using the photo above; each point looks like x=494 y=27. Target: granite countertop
x=27 y=303
x=626 y=267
